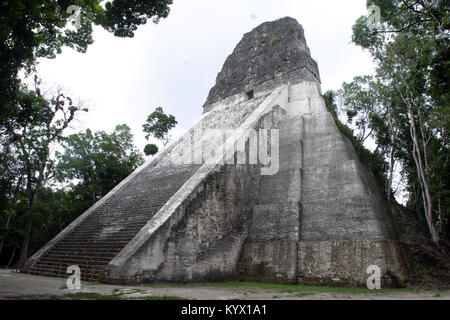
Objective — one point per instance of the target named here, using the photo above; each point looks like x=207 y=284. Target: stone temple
x=205 y=209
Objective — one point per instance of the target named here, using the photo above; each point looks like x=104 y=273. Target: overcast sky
x=174 y=64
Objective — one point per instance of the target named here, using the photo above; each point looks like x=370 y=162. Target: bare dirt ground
x=15 y=285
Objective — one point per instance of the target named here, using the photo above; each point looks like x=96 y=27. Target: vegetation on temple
x=158 y=125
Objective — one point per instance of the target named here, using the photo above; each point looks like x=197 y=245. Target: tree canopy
x=33 y=29
x=150 y=149
x=32 y=126
x=95 y=162
x=27 y=138
x=158 y=125
x=406 y=105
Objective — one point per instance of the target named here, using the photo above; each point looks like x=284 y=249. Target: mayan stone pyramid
x=213 y=207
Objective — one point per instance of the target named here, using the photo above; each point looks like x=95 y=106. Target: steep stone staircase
x=102 y=235
x=115 y=220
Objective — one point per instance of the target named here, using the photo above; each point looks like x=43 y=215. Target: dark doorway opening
x=249 y=95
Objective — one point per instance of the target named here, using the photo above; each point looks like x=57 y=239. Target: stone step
x=92 y=273
x=123 y=224
x=97 y=246
x=130 y=220
x=99 y=238
x=106 y=241
x=75 y=260
x=74 y=256
x=58 y=267
x=70 y=255
x=109 y=229
x=112 y=252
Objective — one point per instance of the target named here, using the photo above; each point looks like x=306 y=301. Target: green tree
x=360 y=105
x=28 y=136
x=30 y=124
x=151 y=149
x=374 y=161
x=159 y=124
x=11 y=183
x=370 y=105
x=32 y=29
x=411 y=48
x=95 y=162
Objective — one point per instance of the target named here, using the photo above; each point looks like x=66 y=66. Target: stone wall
x=346 y=225
x=321 y=219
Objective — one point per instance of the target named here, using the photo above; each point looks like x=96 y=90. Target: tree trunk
x=441 y=218
x=428 y=205
x=423 y=175
x=391 y=174
x=7 y=225
x=26 y=240
x=393 y=136
x=11 y=208
x=12 y=257
x=24 y=249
